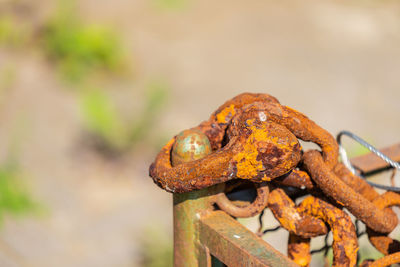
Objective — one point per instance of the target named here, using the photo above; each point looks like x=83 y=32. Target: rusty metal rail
x=205 y=236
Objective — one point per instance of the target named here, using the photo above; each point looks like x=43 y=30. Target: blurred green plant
x=80 y=49
x=12 y=34
x=156 y=248
x=14 y=196
x=102 y=118
x=114 y=132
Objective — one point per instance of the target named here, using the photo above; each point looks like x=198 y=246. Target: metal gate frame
x=204 y=236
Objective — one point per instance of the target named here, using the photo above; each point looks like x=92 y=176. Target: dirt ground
x=338 y=62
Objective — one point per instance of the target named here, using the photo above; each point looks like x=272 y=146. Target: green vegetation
x=156 y=249
x=80 y=49
x=83 y=52
x=102 y=118
x=14 y=197
x=110 y=128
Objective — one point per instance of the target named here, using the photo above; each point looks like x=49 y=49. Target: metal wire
x=260 y=223
x=371 y=148
x=276 y=228
x=260 y=232
x=325 y=248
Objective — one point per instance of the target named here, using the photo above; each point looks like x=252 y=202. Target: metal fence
x=206 y=236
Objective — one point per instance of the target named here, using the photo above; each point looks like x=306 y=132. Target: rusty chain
x=252 y=137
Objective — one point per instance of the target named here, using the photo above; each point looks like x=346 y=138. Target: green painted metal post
x=188 y=251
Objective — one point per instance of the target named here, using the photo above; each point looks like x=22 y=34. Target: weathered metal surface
x=252 y=137
x=345 y=244
x=381 y=241
x=296 y=178
x=254 y=208
x=293 y=219
x=370 y=162
x=235 y=245
x=190 y=145
x=355 y=182
x=188 y=250
x=383 y=262
x=299 y=250
x=363 y=209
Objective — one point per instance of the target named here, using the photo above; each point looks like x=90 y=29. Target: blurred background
x=90 y=90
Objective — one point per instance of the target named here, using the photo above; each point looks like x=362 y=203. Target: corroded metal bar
x=379 y=220
x=235 y=245
x=255 y=138
x=188 y=251
x=254 y=208
x=384 y=261
x=291 y=218
x=371 y=162
x=299 y=250
x=344 y=243
x=216 y=231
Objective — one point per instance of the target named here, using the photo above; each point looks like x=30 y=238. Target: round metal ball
x=190 y=145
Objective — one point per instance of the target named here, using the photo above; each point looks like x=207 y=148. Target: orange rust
x=388 y=199
x=262 y=150
x=252 y=137
x=381 y=241
x=378 y=219
x=344 y=244
x=227 y=113
x=299 y=250
x=247 y=164
x=266 y=178
x=358 y=184
x=293 y=219
x=308 y=130
x=384 y=261
x=254 y=208
x=296 y=178
x=248 y=161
